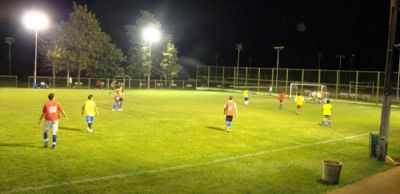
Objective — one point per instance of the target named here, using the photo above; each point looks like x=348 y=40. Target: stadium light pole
x=151 y=35
x=238 y=47
x=397 y=46
x=35 y=20
x=278 y=49
x=9 y=41
x=340 y=60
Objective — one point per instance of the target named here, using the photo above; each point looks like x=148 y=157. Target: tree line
x=80 y=46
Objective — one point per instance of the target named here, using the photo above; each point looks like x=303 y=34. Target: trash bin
x=373 y=145
x=331 y=171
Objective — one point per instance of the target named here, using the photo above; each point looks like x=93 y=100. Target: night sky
x=203 y=29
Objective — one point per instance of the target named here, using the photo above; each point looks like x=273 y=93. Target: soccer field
x=175 y=142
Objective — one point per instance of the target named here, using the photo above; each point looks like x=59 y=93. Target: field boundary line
x=179 y=167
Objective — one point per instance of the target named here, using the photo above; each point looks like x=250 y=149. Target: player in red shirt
x=51 y=114
x=230 y=110
x=281 y=98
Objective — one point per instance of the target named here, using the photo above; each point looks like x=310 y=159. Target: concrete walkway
x=387 y=182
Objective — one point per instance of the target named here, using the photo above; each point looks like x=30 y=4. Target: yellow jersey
x=90 y=108
x=299 y=100
x=246 y=93
x=327 y=109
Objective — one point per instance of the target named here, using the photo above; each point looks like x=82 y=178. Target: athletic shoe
x=89 y=130
x=46 y=144
x=53 y=146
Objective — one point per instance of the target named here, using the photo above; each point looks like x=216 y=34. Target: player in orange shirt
x=230 y=109
x=281 y=98
x=50 y=112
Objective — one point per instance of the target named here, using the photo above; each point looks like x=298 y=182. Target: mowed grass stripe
x=165 y=169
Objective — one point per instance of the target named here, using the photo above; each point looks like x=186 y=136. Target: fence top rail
x=11 y=76
x=294 y=69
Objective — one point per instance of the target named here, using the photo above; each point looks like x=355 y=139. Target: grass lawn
x=175 y=142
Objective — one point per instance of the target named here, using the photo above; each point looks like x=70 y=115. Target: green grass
x=175 y=142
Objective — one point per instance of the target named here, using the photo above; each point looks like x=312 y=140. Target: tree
x=83 y=46
x=138 y=55
x=170 y=66
x=52 y=50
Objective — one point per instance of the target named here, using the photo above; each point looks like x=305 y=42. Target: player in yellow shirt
x=327 y=113
x=299 y=102
x=89 y=109
x=246 y=96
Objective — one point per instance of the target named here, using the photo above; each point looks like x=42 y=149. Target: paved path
x=387 y=182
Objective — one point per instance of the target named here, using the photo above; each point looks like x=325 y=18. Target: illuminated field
x=175 y=142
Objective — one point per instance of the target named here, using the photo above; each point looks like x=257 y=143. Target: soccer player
x=119 y=97
x=299 y=102
x=90 y=110
x=246 y=96
x=50 y=112
x=230 y=110
x=281 y=98
x=327 y=113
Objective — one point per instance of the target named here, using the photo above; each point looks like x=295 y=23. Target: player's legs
x=280 y=104
x=54 y=128
x=329 y=120
x=46 y=127
x=89 y=120
x=298 y=109
x=229 y=122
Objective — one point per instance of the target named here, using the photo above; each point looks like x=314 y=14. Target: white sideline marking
x=66 y=183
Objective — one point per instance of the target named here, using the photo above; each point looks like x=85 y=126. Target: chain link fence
x=344 y=84
x=90 y=83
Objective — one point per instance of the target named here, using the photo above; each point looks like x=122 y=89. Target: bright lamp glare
x=35 y=20
x=151 y=34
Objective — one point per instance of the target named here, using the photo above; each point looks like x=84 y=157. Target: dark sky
x=202 y=29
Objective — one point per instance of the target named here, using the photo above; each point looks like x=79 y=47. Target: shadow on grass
x=322 y=182
x=28 y=145
x=72 y=129
x=216 y=128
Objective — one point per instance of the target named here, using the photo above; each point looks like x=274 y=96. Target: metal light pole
x=238 y=48
x=9 y=41
x=37 y=21
x=278 y=49
x=319 y=60
x=387 y=89
x=397 y=46
x=152 y=35
x=340 y=60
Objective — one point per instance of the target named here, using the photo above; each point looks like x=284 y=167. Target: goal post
x=125 y=79
x=307 y=89
x=362 y=89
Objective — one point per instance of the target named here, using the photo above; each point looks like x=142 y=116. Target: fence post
x=258 y=81
x=287 y=80
x=129 y=83
x=245 y=79
x=223 y=77
x=319 y=76
x=88 y=83
x=155 y=84
x=16 y=82
x=272 y=76
x=197 y=74
x=377 y=86
x=337 y=82
x=302 y=79
x=234 y=77
x=183 y=84
x=356 y=85
x=208 y=78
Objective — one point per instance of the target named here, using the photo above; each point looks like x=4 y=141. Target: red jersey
x=281 y=96
x=51 y=110
x=230 y=108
